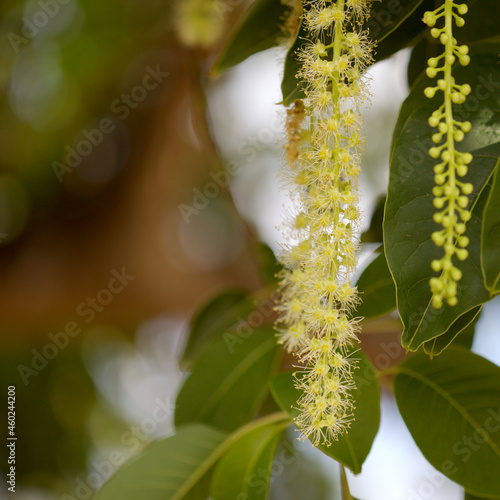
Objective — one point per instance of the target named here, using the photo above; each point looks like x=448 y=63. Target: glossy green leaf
x=167 y=469
x=215 y=318
x=481 y=21
x=245 y=470
x=377 y=290
x=461 y=332
x=260 y=29
x=386 y=17
x=490 y=236
x=229 y=380
x=408 y=222
x=420 y=54
x=451 y=406
x=353 y=447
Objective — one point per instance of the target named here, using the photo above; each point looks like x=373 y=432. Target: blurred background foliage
x=65 y=66
x=65 y=227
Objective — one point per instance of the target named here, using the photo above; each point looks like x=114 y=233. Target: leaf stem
x=273 y=418
x=450 y=124
x=218 y=452
x=346 y=494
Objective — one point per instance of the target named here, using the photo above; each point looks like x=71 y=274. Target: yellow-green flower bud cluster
x=323 y=162
x=451 y=196
x=199 y=22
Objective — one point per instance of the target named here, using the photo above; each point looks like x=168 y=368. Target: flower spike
x=323 y=162
x=451 y=195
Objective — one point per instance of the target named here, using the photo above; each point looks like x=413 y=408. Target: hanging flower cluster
x=199 y=23
x=450 y=194
x=323 y=163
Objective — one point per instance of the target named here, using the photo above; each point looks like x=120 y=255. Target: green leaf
x=420 y=54
x=245 y=470
x=268 y=265
x=406 y=25
x=217 y=316
x=470 y=496
x=377 y=290
x=484 y=87
x=408 y=222
x=387 y=16
x=451 y=406
x=353 y=447
x=295 y=476
x=375 y=234
x=228 y=380
x=260 y=29
x=291 y=87
x=167 y=469
x=460 y=332
x=481 y=21
x=490 y=237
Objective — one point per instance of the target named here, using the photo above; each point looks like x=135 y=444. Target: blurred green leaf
x=54 y=401
x=167 y=469
x=215 y=318
x=420 y=53
x=377 y=290
x=375 y=233
x=451 y=406
x=229 y=380
x=408 y=223
x=490 y=237
x=470 y=496
x=245 y=470
x=260 y=29
x=353 y=447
